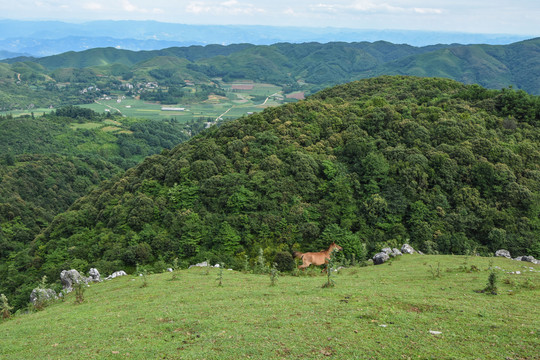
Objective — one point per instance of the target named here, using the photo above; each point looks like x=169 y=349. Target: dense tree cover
x=49 y=161
x=446 y=167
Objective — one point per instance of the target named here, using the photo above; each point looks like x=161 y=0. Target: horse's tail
x=297 y=255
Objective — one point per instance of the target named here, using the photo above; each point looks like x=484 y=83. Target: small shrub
x=144 y=274
x=207 y=270
x=284 y=261
x=5 y=309
x=175 y=269
x=141 y=271
x=436 y=273
x=41 y=296
x=79 y=288
x=220 y=275
x=260 y=267
x=295 y=270
x=332 y=264
x=274 y=272
x=246 y=264
x=491 y=287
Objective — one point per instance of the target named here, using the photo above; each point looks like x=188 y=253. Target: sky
x=473 y=16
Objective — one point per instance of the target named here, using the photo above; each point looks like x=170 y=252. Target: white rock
x=70 y=277
x=407 y=249
x=94 y=275
x=116 y=274
x=435 y=332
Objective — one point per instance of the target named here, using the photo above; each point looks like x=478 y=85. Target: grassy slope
x=192 y=318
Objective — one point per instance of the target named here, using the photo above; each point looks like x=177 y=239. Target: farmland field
x=242 y=98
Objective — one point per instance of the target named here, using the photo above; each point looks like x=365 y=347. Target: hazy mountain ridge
x=43 y=38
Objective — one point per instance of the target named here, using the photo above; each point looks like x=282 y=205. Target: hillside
x=383 y=312
x=447 y=167
x=61 y=79
x=48 y=162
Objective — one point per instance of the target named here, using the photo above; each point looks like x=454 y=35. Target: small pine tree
x=41 y=295
x=79 y=288
x=330 y=269
x=492 y=284
x=5 y=309
x=220 y=275
x=144 y=274
x=246 y=263
x=274 y=273
x=174 y=269
x=261 y=266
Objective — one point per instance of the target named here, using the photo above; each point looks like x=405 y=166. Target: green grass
x=193 y=318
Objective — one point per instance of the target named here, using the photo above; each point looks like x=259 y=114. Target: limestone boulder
x=39 y=297
x=94 y=275
x=116 y=274
x=380 y=258
x=407 y=249
x=503 y=253
x=71 y=277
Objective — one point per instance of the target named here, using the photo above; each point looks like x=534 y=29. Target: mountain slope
x=491 y=66
x=447 y=167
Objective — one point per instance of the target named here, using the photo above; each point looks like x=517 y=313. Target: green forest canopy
x=446 y=167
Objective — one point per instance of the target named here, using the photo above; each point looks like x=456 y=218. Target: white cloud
x=370 y=7
x=127 y=6
x=230 y=7
x=428 y=11
x=289 y=11
x=92 y=6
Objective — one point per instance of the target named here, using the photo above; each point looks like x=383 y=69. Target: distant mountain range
x=314 y=64
x=44 y=38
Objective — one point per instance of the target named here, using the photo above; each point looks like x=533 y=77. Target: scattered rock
x=216 y=266
x=70 y=277
x=42 y=296
x=396 y=252
x=503 y=253
x=116 y=274
x=169 y=269
x=387 y=251
x=435 y=332
x=529 y=259
x=407 y=249
x=380 y=258
x=203 y=264
x=94 y=275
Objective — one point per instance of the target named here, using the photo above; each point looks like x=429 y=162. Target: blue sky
x=474 y=16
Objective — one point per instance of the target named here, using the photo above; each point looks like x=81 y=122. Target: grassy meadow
x=375 y=312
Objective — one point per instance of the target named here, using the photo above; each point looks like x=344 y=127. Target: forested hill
x=446 y=167
x=308 y=66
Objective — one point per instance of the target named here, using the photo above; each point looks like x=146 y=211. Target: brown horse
x=316 y=258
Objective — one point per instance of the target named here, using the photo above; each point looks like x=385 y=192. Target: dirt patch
x=299 y=95
x=242 y=87
x=111 y=128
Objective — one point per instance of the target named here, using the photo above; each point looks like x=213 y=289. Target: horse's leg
x=305 y=264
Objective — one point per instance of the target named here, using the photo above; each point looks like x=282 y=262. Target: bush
x=284 y=261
